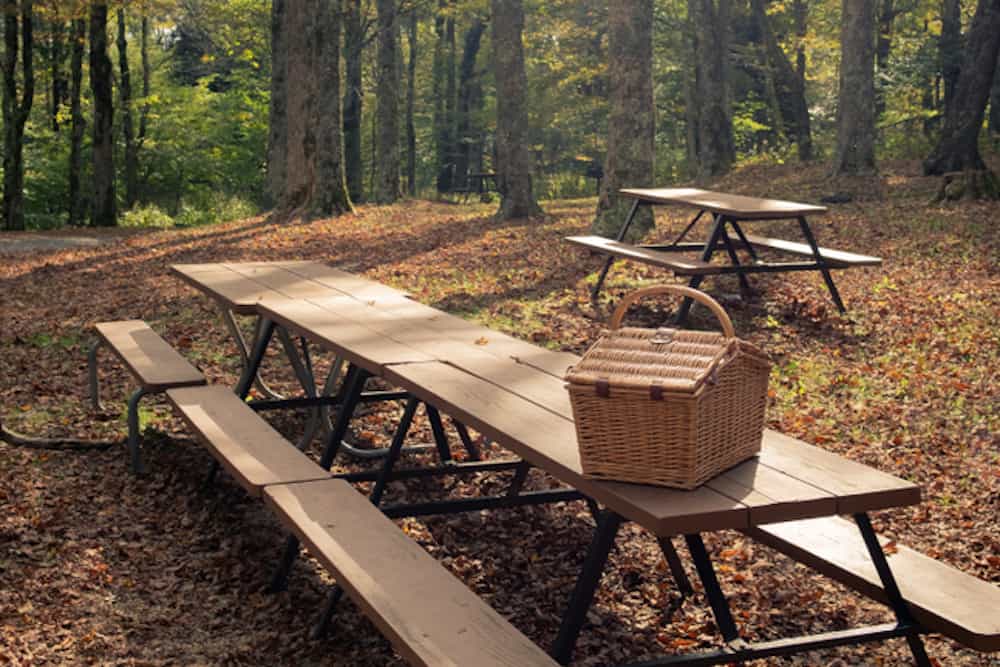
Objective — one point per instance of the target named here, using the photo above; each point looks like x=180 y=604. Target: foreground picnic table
x=512 y=392
x=727 y=211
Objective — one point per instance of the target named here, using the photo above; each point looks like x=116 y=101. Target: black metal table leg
x=440 y=437
x=743 y=239
x=718 y=228
x=821 y=263
x=470 y=446
x=676 y=567
x=323 y=622
x=611 y=259
x=520 y=474
x=716 y=598
x=586 y=586
x=735 y=259
x=397 y=444
x=279 y=580
x=891 y=588
x=355 y=385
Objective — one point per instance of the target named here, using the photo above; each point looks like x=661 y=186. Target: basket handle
x=679 y=290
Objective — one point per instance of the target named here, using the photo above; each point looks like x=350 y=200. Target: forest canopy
x=168 y=119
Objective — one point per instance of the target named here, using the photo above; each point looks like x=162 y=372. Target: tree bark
x=57 y=57
x=958 y=146
x=800 y=14
x=856 y=101
x=128 y=129
x=277 y=139
x=692 y=86
x=387 y=188
x=77 y=123
x=103 y=212
x=631 y=117
x=411 y=93
x=950 y=47
x=513 y=157
x=15 y=111
x=994 y=122
x=146 y=74
x=883 y=48
x=300 y=92
x=442 y=127
x=466 y=134
x=353 y=99
x=717 y=149
x=790 y=87
x=331 y=196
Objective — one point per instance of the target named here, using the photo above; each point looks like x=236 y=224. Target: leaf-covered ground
x=97 y=566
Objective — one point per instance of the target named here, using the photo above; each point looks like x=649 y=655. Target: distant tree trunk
x=513 y=157
x=277 y=139
x=856 y=102
x=411 y=93
x=77 y=124
x=442 y=127
x=15 y=111
x=883 y=48
x=331 y=196
x=57 y=58
x=128 y=130
x=692 y=102
x=387 y=170
x=790 y=87
x=466 y=134
x=950 y=47
x=103 y=212
x=800 y=12
x=353 y=99
x=994 y=122
x=146 y=73
x=451 y=98
x=958 y=147
x=301 y=90
x=631 y=117
x=717 y=150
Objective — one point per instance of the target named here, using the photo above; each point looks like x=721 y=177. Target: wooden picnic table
x=512 y=392
x=726 y=211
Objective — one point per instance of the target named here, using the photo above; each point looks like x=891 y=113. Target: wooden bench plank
x=247 y=447
x=431 y=618
x=836 y=258
x=675 y=261
x=942 y=598
x=738 y=206
x=153 y=362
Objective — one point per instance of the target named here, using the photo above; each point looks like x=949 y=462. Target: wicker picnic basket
x=666 y=406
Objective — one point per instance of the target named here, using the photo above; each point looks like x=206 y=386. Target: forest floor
x=98 y=566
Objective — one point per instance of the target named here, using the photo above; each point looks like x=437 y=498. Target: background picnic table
x=98 y=566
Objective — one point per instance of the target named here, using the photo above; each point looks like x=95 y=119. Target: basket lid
x=673 y=359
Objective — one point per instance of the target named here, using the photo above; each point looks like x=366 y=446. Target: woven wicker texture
x=668 y=407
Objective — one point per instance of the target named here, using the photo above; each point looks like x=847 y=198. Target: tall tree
x=58 y=85
x=469 y=101
x=277 y=139
x=411 y=94
x=716 y=147
x=958 y=147
x=78 y=126
x=856 y=100
x=354 y=41
x=15 y=111
x=513 y=165
x=331 y=196
x=300 y=94
x=387 y=188
x=950 y=47
x=146 y=74
x=994 y=122
x=103 y=210
x=443 y=128
x=631 y=118
x=125 y=105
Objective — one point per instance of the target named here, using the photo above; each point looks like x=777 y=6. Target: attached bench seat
x=835 y=258
x=677 y=262
x=431 y=618
x=154 y=364
x=942 y=598
x=244 y=444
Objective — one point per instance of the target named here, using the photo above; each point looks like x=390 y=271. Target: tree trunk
x=77 y=124
x=950 y=47
x=146 y=73
x=103 y=212
x=856 y=102
x=442 y=128
x=353 y=99
x=387 y=188
x=466 y=134
x=958 y=147
x=57 y=58
x=715 y=127
x=994 y=122
x=883 y=48
x=125 y=103
x=790 y=87
x=15 y=111
x=277 y=139
x=411 y=93
x=331 y=196
x=513 y=157
x=692 y=103
x=800 y=14
x=631 y=117
x=300 y=92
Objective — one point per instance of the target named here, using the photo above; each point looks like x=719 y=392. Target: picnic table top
x=737 y=206
x=512 y=391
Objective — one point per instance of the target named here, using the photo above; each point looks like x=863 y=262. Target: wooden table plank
x=737 y=206
x=287 y=283
x=357 y=286
x=233 y=291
